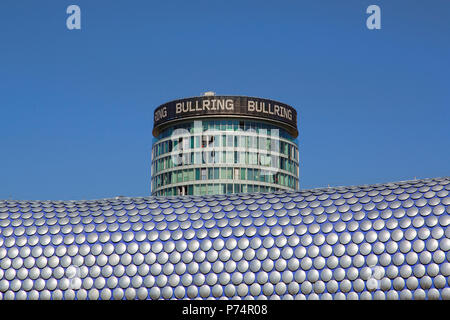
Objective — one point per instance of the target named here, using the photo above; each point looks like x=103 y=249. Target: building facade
x=387 y=241
x=224 y=144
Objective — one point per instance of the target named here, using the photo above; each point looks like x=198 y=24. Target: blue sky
x=76 y=106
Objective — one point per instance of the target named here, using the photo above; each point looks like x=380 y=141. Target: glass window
x=269 y=177
x=250 y=175
x=230 y=157
x=211 y=157
x=254 y=157
x=182 y=190
x=265 y=160
x=236 y=173
x=210 y=173
x=198 y=158
x=253 y=142
x=276 y=177
x=197 y=174
x=229 y=173
x=243 y=174
x=197 y=142
x=242 y=157
x=230 y=140
x=203 y=173
x=216 y=141
x=216 y=173
x=197 y=189
x=223 y=173
x=223 y=158
x=241 y=141
x=204 y=140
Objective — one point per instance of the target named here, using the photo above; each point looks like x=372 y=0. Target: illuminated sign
x=214 y=106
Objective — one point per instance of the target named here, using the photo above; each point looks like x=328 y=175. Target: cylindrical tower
x=224 y=144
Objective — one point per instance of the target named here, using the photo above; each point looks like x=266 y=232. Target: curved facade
x=242 y=146
x=384 y=241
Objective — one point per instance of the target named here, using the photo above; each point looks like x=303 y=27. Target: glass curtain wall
x=224 y=156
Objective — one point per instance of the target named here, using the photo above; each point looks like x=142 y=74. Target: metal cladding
x=384 y=241
x=225 y=106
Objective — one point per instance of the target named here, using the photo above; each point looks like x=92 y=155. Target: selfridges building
x=267 y=241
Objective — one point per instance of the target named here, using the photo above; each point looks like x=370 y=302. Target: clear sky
x=76 y=106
